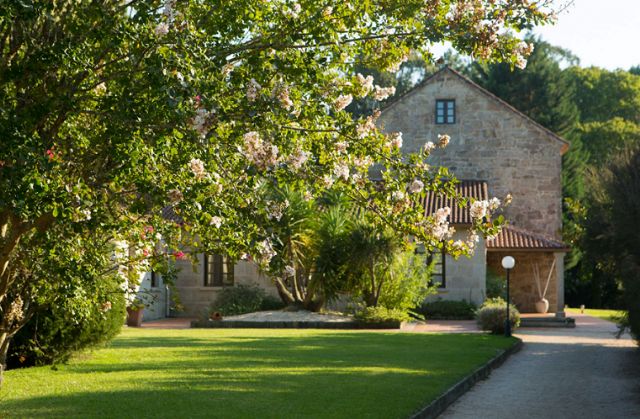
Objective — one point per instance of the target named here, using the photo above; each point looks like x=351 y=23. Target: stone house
x=495 y=150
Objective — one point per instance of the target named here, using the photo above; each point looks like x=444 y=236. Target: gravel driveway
x=561 y=373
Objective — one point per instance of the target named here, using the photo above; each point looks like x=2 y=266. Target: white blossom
x=441 y=214
x=341 y=147
x=342 y=102
x=397 y=195
x=494 y=204
x=298 y=159
x=443 y=140
x=365 y=127
x=327 y=181
x=341 y=170
x=261 y=153
x=416 y=186
x=265 y=251
x=395 y=140
x=393 y=68
x=429 y=147
x=216 y=221
x=327 y=11
x=508 y=199
x=479 y=209
x=15 y=313
x=253 y=90
x=366 y=83
x=162 y=29
x=381 y=93
x=197 y=168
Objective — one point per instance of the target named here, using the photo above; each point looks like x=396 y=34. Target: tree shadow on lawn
x=319 y=375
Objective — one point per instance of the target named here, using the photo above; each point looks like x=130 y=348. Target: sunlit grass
x=610 y=315
x=249 y=374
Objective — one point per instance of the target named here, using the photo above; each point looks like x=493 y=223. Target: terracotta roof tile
x=476 y=189
x=512 y=238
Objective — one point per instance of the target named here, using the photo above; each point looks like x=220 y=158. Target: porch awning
x=512 y=238
x=476 y=189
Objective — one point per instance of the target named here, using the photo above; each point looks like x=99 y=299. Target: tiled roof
x=476 y=189
x=512 y=238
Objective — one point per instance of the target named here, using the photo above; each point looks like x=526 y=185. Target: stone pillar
x=559 y=256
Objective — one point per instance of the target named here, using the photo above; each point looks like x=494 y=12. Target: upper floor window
x=218 y=270
x=437 y=261
x=445 y=111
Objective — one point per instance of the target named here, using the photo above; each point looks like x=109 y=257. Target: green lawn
x=250 y=373
x=609 y=315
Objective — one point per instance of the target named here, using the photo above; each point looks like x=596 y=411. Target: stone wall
x=196 y=298
x=488 y=142
x=465 y=277
x=524 y=292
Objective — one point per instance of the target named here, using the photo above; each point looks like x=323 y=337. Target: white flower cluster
x=294 y=12
x=429 y=147
x=265 y=251
x=169 y=12
x=363 y=163
x=341 y=147
x=297 y=159
x=397 y=195
x=366 y=126
x=175 y=196
x=261 y=153
x=381 y=93
x=162 y=29
x=200 y=122
x=523 y=49
x=443 y=140
x=341 y=170
x=216 y=221
x=416 y=186
x=395 y=140
x=15 y=313
x=366 y=84
x=197 y=168
x=342 y=102
x=275 y=210
x=440 y=229
x=253 y=90
x=483 y=208
x=327 y=11
x=281 y=91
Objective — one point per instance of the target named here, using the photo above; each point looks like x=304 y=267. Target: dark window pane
x=218 y=271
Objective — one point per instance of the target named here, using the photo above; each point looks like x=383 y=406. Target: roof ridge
x=484 y=91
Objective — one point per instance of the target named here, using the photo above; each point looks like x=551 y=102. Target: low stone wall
x=524 y=292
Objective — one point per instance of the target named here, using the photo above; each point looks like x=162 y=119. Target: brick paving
x=561 y=373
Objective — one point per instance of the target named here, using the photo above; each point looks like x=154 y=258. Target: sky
x=603 y=33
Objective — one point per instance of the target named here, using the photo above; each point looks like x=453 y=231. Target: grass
x=609 y=315
x=249 y=373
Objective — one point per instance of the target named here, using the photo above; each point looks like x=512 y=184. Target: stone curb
x=233 y=324
x=436 y=407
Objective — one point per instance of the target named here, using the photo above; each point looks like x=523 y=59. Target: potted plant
x=542 y=305
x=135 y=311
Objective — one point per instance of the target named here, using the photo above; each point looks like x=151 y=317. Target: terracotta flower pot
x=134 y=316
x=542 y=306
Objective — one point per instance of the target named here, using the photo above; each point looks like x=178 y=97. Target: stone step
x=547 y=322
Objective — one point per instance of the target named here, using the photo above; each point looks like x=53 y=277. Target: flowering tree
x=112 y=110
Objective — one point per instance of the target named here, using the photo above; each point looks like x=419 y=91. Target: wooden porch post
x=559 y=256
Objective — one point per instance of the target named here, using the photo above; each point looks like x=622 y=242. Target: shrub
x=492 y=316
x=238 y=300
x=496 y=285
x=69 y=325
x=448 y=310
x=406 y=282
x=269 y=302
x=380 y=314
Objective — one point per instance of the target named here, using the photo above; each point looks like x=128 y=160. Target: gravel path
x=561 y=373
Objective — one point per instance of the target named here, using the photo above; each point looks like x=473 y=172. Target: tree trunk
x=283 y=292
x=5 y=339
